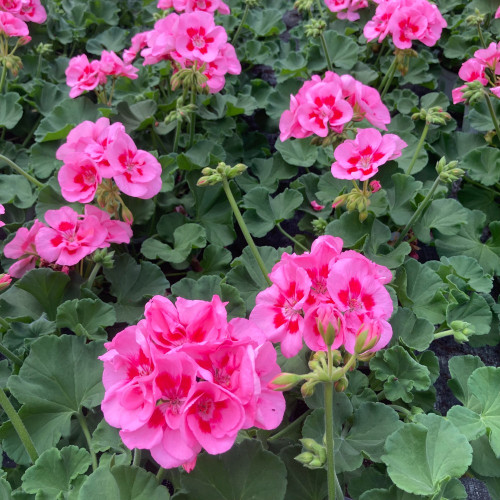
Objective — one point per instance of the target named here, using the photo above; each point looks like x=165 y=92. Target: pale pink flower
x=118 y=231
x=10 y=25
x=380 y=273
x=23 y=247
x=82 y=75
x=457 y=94
x=69 y=238
x=360 y=158
x=198 y=37
x=346 y=9
x=195 y=5
x=111 y=65
x=79 y=179
x=138 y=41
x=161 y=41
x=136 y=172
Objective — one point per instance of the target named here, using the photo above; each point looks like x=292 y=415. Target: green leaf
x=136 y=116
x=21 y=335
x=366 y=479
x=216 y=260
x=481 y=415
x=131 y=284
x=90 y=314
x=16 y=189
x=475 y=311
x=483 y=165
x=113 y=38
x=107 y=439
x=400 y=373
x=69 y=113
x=269 y=171
x=42 y=159
x=265 y=22
x=208 y=286
x=484 y=461
x=468 y=242
x=47 y=287
x=186 y=238
x=470 y=271
x=456 y=145
x=458 y=47
x=446 y=215
x=55 y=472
x=461 y=368
x=343 y=50
x=402 y=100
x=303 y=483
x=245 y=472
x=59 y=376
x=407 y=154
x=298 y=152
x=421 y=457
x=348 y=227
x=5 y=490
x=122 y=482
x=416 y=333
x=434 y=99
x=10 y=110
x=480 y=118
x=401 y=197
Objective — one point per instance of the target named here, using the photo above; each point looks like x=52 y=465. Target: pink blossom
x=324 y=314
x=5 y=281
x=2 y=211
x=497 y=13
x=489 y=57
x=111 y=65
x=496 y=91
x=79 y=179
x=198 y=36
x=346 y=9
x=33 y=11
x=360 y=158
x=473 y=70
x=195 y=5
x=375 y=186
x=457 y=94
x=82 y=75
x=138 y=41
x=69 y=238
x=378 y=329
x=10 y=25
x=316 y=206
x=23 y=248
x=118 y=231
x=161 y=40
x=11 y=6
x=136 y=172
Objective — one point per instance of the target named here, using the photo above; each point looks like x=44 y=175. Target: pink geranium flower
x=10 y=25
x=23 y=248
x=346 y=9
x=497 y=13
x=69 y=238
x=111 y=65
x=79 y=179
x=136 y=172
x=322 y=315
x=198 y=37
x=82 y=75
x=118 y=231
x=33 y=11
x=195 y=5
x=473 y=70
x=138 y=41
x=360 y=158
x=2 y=211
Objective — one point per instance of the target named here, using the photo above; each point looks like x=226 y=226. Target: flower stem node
x=44 y=49
x=462 y=330
x=103 y=257
x=449 y=172
x=435 y=115
x=319 y=226
x=307 y=389
x=315 y=28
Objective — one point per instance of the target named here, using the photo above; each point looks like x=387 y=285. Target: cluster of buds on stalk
x=475 y=19
x=103 y=257
x=109 y=198
x=181 y=113
x=460 y=330
x=315 y=27
x=474 y=92
x=433 y=116
x=449 y=172
x=191 y=78
x=358 y=199
x=212 y=176
x=315 y=455
x=403 y=57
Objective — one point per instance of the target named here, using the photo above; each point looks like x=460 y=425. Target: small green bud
x=341 y=385
x=303 y=5
x=315 y=28
x=285 y=381
x=305 y=458
x=307 y=389
x=319 y=226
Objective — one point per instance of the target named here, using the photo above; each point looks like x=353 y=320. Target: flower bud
x=375 y=186
x=319 y=226
x=316 y=206
x=284 y=381
x=307 y=389
x=315 y=28
x=127 y=214
x=341 y=385
x=305 y=458
x=5 y=281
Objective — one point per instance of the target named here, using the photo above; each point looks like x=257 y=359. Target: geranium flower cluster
x=360 y=158
x=324 y=105
x=83 y=75
x=194 y=5
x=97 y=151
x=405 y=21
x=66 y=239
x=15 y=13
x=346 y=9
x=475 y=70
x=321 y=287
x=189 y=39
x=184 y=378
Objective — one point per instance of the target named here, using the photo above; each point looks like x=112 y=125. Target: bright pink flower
x=69 y=238
x=497 y=13
x=360 y=158
x=79 y=179
x=161 y=40
x=278 y=309
x=110 y=64
x=457 y=94
x=33 y=11
x=225 y=62
x=138 y=41
x=407 y=25
x=2 y=211
x=198 y=37
x=346 y=9
x=82 y=75
x=316 y=206
x=118 y=231
x=10 y=25
x=214 y=416
x=195 y=5
x=378 y=329
x=375 y=186
x=5 y=281
x=23 y=247
x=496 y=91
x=489 y=57
x=323 y=313
x=11 y=6
x=473 y=70
x=136 y=172
x=380 y=273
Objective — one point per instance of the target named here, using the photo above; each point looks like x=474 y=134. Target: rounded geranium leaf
x=421 y=457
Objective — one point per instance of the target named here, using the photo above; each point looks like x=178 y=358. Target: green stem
x=161 y=474
x=32 y=131
x=18 y=425
x=4 y=323
x=400 y=409
x=86 y=432
x=418 y=212
x=320 y=8
x=244 y=229
x=330 y=453
x=177 y=136
x=10 y=355
x=291 y=238
x=243 y=19
x=2 y=78
x=137 y=457
x=440 y=335
x=478 y=184
x=93 y=274
x=419 y=147
x=296 y=423
x=192 y=121
x=19 y=170
x=325 y=50
x=481 y=37
x=493 y=116
x=390 y=77
x=386 y=76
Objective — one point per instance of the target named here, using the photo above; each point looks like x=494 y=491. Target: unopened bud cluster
x=105 y=258
x=475 y=19
x=435 y=115
x=212 y=176
x=182 y=112
x=357 y=200
x=315 y=455
x=191 y=78
x=462 y=330
x=315 y=28
x=303 y=5
x=474 y=92
x=403 y=57
x=449 y=172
